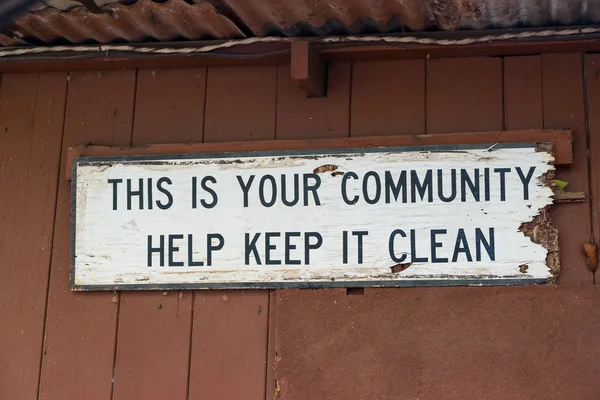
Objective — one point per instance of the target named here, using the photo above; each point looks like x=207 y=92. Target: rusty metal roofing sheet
x=142 y=21
x=114 y=21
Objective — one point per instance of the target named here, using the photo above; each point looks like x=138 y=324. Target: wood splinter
x=563 y=196
x=308 y=70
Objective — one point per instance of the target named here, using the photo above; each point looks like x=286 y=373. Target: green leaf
x=559 y=184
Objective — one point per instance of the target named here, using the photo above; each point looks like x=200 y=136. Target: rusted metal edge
x=561 y=141
x=439 y=38
x=273 y=50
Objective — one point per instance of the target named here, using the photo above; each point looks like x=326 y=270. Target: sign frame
x=456 y=281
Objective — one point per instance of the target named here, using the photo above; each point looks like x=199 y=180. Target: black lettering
x=440 y=182
x=393 y=188
x=245 y=188
x=488 y=244
x=392 y=250
x=210 y=191
x=525 y=180
x=191 y=261
x=194 y=194
x=435 y=244
x=115 y=183
x=486 y=183
x=160 y=250
x=173 y=249
x=289 y=246
x=139 y=193
x=465 y=180
x=150 y=194
x=461 y=246
x=502 y=172
x=345 y=247
x=210 y=247
x=308 y=246
x=413 y=249
x=269 y=247
x=159 y=184
x=360 y=235
x=312 y=188
x=365 y=188
x=425 y=187
x=250 y=247
x=261 y=191
x=295 y=188
x=345 y=178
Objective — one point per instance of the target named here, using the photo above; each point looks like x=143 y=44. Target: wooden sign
x=357 y=217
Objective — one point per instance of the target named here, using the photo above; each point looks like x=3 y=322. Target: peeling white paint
x=111 y=246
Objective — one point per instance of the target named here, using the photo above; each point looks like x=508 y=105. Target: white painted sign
x=361 y=217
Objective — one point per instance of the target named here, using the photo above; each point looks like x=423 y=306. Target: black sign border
x=148 y=159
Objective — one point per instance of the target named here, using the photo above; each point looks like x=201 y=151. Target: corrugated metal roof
x=142 y=21
x=69 y=22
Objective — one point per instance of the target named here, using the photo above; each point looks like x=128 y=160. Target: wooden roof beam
x=308 y=70
x=561 y=139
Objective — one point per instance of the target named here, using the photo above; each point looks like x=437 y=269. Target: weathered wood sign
x=357 y=217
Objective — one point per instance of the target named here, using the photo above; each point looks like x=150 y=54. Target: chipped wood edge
x=562 y=196
x=540 y=230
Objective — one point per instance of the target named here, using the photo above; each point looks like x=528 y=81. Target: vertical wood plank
x=229 y=333
x=31 y=117
x=593 y=103
x=464 y=94
x=170 y=106
x=79 y=344
x=563 y=96
x=388 y=98
x=299 y=117
x=153 y=342
x=523 y=107
x=242 y=103
x=17 y=100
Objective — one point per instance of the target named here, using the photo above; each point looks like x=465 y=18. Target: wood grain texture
x=31 y=115
x=17 y=102
x=318 y=118
x=523 y=107
x=307 y=69
x=441 y=343
x=154 y=329
x=229 y=328
x=229 y=344
x=592 y=78
x=169 y=106
x=240 y=103
x=79 y=342
x=153 y=345
x=563 y=100
x=299 y=117
x=464 y=94
x=388 y=98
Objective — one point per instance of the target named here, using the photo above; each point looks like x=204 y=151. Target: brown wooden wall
x=427 y=343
